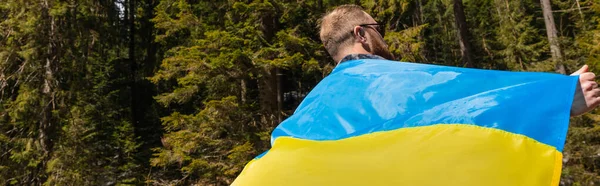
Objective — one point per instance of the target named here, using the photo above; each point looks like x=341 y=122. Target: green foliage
x=406 y=45
x=64 y=112
x=208 y=146
x=223 y=85
x=517 y=37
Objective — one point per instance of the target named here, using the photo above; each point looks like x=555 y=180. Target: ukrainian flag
x=378 y=122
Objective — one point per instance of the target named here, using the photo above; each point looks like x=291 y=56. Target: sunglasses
x=379 y=28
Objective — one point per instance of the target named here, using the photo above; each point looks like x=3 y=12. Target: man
x=374 y=121
x=349 y=33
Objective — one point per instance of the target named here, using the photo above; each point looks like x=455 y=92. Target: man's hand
x=587 y=93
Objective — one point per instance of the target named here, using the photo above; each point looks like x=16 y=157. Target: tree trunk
x=279 y=98
x=269 y=99
x=47 y=126
x=244 y=90
x=133 y=64
x=463 y=33
x=557 y=57
x=579 y=8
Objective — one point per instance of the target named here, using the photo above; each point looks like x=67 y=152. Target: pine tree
x=462 y=33
x=557 y=55
x=64 y=111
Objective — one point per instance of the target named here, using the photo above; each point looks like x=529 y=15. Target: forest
x=186 y=92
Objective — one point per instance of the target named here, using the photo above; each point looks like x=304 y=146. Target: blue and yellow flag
x=378 y=122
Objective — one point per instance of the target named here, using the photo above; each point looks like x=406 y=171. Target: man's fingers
x=589 y=85
x=587 y=76
x=583 y=69
x=595 y=92
x=595 y=103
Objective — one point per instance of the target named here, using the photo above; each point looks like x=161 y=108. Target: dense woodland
x=182 y=92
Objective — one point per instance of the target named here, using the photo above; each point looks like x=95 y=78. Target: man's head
x=348 y=29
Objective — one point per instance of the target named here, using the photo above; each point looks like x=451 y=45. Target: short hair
x=337 y=25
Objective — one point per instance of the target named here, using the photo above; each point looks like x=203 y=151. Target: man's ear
x=359 y=33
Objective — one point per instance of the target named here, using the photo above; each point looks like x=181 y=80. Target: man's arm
x=587 y=93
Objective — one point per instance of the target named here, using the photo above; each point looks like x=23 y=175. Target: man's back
x=379 y=122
